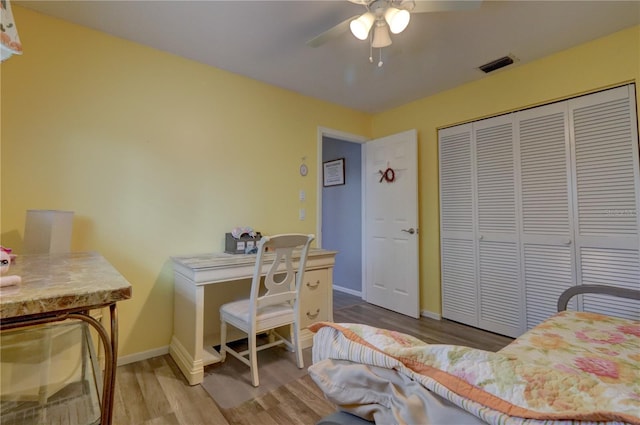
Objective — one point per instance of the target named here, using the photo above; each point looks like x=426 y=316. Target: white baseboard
x=430 y=315
x=144 y=355
x=347 y=291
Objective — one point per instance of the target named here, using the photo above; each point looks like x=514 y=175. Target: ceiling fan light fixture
x=397 y=19
x=381 y=37
x=361 y=26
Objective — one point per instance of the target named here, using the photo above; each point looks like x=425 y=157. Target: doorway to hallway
x=342 y=214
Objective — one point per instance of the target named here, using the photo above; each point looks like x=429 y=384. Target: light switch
x=302 y=214
x=303 y=195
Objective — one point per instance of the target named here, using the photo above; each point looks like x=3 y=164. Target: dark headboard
x=595 y=289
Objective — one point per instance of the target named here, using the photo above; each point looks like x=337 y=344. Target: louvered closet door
x=605 y=144
x=498 y=252
x=458 y=267
x=548 y=257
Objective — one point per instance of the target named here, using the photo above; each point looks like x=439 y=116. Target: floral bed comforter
x=573 y=368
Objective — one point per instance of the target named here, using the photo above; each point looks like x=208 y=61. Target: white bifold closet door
x=548 y=258
x=497 y=219
x=534 y=202
x=607 y=196
x=457 y=228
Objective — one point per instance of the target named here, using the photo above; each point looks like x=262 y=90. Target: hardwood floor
x=154 y=392
x=348 y=308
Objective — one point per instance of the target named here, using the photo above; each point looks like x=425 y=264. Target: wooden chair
x=278 y=306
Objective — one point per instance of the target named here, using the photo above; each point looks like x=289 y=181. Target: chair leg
x=223 y=340
x=253 y=359
x=296 y=343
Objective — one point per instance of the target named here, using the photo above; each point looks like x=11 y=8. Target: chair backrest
x=282 y=282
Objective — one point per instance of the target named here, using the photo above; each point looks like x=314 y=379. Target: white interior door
x=391 y=223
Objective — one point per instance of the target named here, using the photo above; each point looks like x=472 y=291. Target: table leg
x=114 y=350
x=110 y=358
x=110 y=351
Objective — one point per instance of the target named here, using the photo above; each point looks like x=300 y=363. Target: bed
x=573 y=368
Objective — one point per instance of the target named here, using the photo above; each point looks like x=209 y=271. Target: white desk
x=204 y=282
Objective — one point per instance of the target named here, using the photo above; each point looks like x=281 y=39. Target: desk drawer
x=314 y=298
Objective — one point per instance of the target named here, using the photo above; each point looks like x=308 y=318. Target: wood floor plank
x=181 y=397
x=267 y=401
x=298 y=402
x=295 y=408
x=155 y=398
x=135 y=409
x=168 y=419
x=119 y=412
x=280 y=415
x=313 y=401
x=264 y=418
x=246 y=409
x=207 y=407
x=427 y=329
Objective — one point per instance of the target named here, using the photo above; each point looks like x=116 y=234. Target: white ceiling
x=266 y=40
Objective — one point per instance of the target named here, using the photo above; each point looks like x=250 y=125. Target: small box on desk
x=241 y=245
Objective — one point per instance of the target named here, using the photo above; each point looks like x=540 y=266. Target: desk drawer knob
x=309 y=285
x=313 y=315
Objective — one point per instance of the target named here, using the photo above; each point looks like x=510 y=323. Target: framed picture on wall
x=333 y=172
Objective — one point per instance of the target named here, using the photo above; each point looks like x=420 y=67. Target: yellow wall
x=157 y=156
x=602 y=63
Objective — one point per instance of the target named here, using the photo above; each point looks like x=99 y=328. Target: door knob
x=410 y=231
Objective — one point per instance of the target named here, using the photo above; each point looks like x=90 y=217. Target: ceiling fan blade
x=424 y=6
x=331 y=33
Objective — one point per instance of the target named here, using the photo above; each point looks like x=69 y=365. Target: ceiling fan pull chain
x=371 y=47
x=380 y=63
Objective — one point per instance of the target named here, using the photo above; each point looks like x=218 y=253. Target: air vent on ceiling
x=496 y=64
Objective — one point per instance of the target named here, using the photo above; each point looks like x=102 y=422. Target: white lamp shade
x=360 y=26
x=48 y=231
x=380 y=37
x=397 y=19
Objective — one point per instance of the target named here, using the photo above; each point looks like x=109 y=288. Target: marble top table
x=57 y=287
x=61 y=282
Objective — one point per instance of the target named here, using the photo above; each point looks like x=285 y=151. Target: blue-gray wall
x=342 y=214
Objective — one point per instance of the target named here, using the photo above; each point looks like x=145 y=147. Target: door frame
x=347 y=137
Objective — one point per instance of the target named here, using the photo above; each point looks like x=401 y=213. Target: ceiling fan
x=384 y=16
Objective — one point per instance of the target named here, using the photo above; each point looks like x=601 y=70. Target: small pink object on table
x=5 y=261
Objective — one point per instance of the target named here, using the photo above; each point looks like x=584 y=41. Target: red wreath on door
x=387 y=175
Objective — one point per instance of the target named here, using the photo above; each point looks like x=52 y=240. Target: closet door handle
x=410 y=231
x=567 y=242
